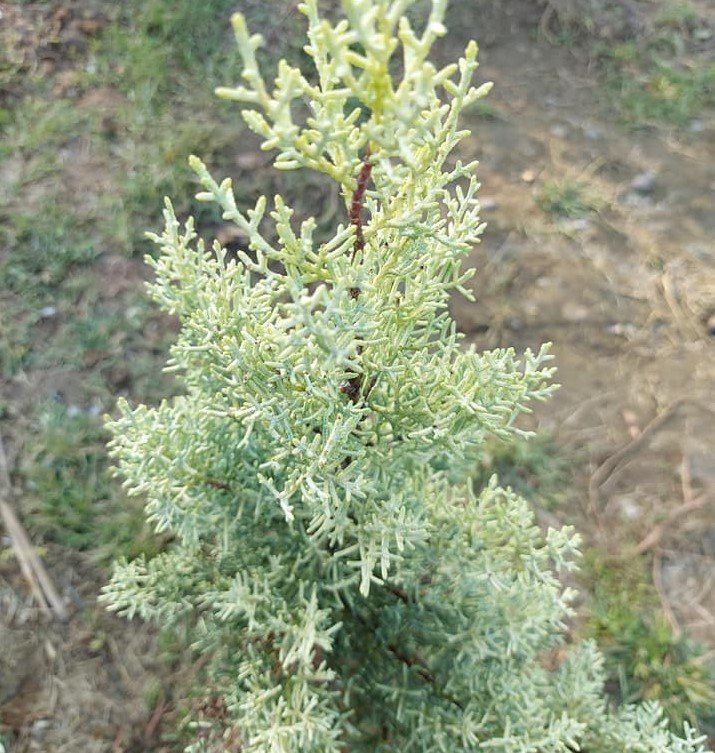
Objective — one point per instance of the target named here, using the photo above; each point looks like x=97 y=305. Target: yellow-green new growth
x=352 y=592
x=355 y=103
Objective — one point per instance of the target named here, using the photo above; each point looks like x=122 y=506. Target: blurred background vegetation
x=100 y=105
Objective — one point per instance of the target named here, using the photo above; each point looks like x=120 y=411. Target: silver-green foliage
x=352 y=590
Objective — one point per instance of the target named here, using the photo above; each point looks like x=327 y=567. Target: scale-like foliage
x=352 y=591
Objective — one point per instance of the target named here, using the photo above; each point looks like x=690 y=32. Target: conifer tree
x=351 y=589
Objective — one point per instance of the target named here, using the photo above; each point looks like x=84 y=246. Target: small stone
x=558 y=131
x=576 y=225
x=47 y=312
x=633 y=200
x=528 y=176
x=701 y=251
x=644 y=183
x=591 y=133
x=574 y=312
x=628 y=507
x=531 y=309
x=622 y=329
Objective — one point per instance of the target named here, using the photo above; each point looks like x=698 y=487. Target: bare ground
x=626 y=294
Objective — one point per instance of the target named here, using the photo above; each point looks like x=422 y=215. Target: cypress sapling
x=351 y=590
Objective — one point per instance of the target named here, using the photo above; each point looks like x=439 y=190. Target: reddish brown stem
x=416 y=663
x=398 y=592
x=357 y=202
x=215 y=483
x=152 y=726
x=413 y=661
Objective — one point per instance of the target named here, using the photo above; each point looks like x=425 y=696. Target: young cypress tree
x=351 y=589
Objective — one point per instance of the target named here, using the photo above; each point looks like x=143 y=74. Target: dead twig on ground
x=152 y=726
x=117 y=658
x=665 y=603
x=687 y=324
x=118 y=744
x=20 y=548
x=654 y=537
x=708 y=618
x=545 y=22
x=691 y=502
x=611 y=463
x=33 y=570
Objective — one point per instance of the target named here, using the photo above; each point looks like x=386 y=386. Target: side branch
x=412 y=661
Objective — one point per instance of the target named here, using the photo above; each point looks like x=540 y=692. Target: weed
x=625 y=52
x=140 y=136
x=656 y=63
x=567 y=198
x=16 y=336
x=485 y=109
x=41 y=249
x=74 y=502
x=681 y=17
x=644 y=660
x=534 y=468
x=665 y=75
x=664 y=92
x=38 y=124
x=154 y=164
